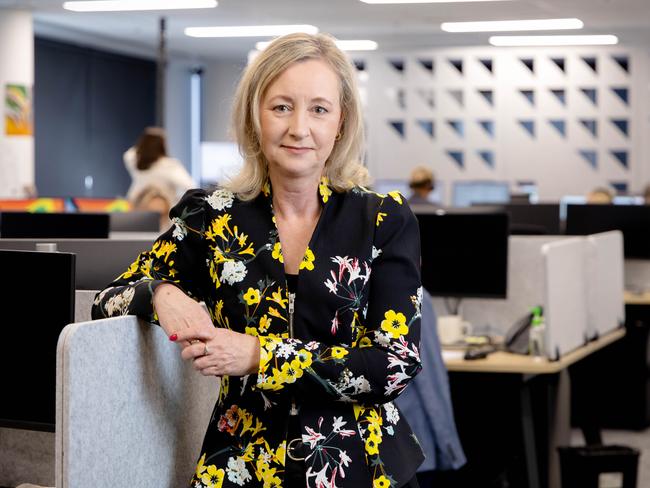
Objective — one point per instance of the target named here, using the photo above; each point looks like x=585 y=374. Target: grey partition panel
x=565 y=289
x=605 y=284
x=637 y=275
x=130 y=412
x=525 y=288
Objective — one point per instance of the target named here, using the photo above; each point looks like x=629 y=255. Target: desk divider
x=605 y=283
x=130 y=412
x=565 y=303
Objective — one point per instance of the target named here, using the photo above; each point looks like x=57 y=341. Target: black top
x=356 y=332
x=292 y=282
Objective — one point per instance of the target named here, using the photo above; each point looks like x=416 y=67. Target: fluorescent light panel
x=352 y=45
x=599 y=40
x=512 y=25
x=129 y=5
x=427 y=1
x=249 y=30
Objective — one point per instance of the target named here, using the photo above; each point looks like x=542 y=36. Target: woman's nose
x=299 y=124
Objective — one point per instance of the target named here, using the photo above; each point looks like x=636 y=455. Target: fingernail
x=173 y=337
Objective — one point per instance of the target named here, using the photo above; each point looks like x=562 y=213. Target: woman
x=150 y=167
x=311 y=347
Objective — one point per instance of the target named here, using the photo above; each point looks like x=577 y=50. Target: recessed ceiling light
x=249 y=30
x=352 y=45
x=599 y=40
x=127 y=5
x=512 y=25
x=428 y=1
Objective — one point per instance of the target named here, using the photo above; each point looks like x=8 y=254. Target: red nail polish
x=173 y=337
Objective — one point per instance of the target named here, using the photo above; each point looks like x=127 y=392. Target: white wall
x=16 y=67
x=552 y=161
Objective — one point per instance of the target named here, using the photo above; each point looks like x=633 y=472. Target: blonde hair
x=343 y=167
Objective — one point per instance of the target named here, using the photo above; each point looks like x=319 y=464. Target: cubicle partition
x=130 y=412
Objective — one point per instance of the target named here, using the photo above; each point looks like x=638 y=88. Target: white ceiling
x=393 y=27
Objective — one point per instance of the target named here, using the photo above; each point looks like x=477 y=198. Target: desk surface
x=632 y=298
x=505 y=362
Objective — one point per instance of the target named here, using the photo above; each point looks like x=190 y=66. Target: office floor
x=639 y=440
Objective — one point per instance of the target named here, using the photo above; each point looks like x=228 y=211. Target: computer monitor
x=53 y=225
x=33 y=205
x=632 y=220
x=36 y=305
x=532 y=219
x=466 y=193
x=464 y=254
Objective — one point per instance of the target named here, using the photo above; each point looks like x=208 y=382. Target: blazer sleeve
x=379 y=365
x=174 y=258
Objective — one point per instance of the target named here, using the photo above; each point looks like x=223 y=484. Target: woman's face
x=300 y=115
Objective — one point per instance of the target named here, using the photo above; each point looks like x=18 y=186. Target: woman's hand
x=215 y=352
x=177 y=312
x=223 y=352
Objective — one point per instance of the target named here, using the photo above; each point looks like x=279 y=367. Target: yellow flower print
x=163 y=249
x=380 y=217
x=277 y=252
x=276 y=297
x=308 y=260
x=396 y=196
x=280 y=453
x=274 y=313
x=213 y=477
x=131 y=271
x=303 y=356
x=381 y=482
x=217 y=228
x=265 y=323
x=266 y=189
x=394 y=324
x=372 y=447
x=290 y=372
x=252 y=296
x=200 y=467
x=270 y=479
x=324 y=189
x=339 y=352
x=252 y=331
x=365 y=342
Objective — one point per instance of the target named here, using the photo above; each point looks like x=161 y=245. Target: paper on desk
x=452 y=355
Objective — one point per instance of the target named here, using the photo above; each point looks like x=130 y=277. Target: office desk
x=632 y=298
x=543 y=393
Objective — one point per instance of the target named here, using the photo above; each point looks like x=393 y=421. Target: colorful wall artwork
x=18 y=110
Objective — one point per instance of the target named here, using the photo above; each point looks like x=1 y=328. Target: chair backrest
x=130 y=412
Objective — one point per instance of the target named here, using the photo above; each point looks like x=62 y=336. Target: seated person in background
x=600 y=195
x=422 y=183
x=149 y=165
x=155 y=198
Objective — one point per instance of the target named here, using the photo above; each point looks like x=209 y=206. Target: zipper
x=292 y=299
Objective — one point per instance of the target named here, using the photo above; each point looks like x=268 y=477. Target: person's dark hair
x=150 y=147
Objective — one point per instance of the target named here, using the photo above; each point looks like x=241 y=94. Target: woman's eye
x=320 y=110
x=281 y=108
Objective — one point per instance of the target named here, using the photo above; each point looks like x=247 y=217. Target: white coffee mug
x=452 y=329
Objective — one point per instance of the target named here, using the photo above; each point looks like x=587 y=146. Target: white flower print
x=284 y=350
x=375 y=252
x=220 y=199
x=237 y=472
x=381 y=338
x=233 y=272
x=119 y=304
x=101 y=296
x=392 y=414
x=180 y=231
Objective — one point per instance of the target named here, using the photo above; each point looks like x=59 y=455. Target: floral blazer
x=356 y=332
